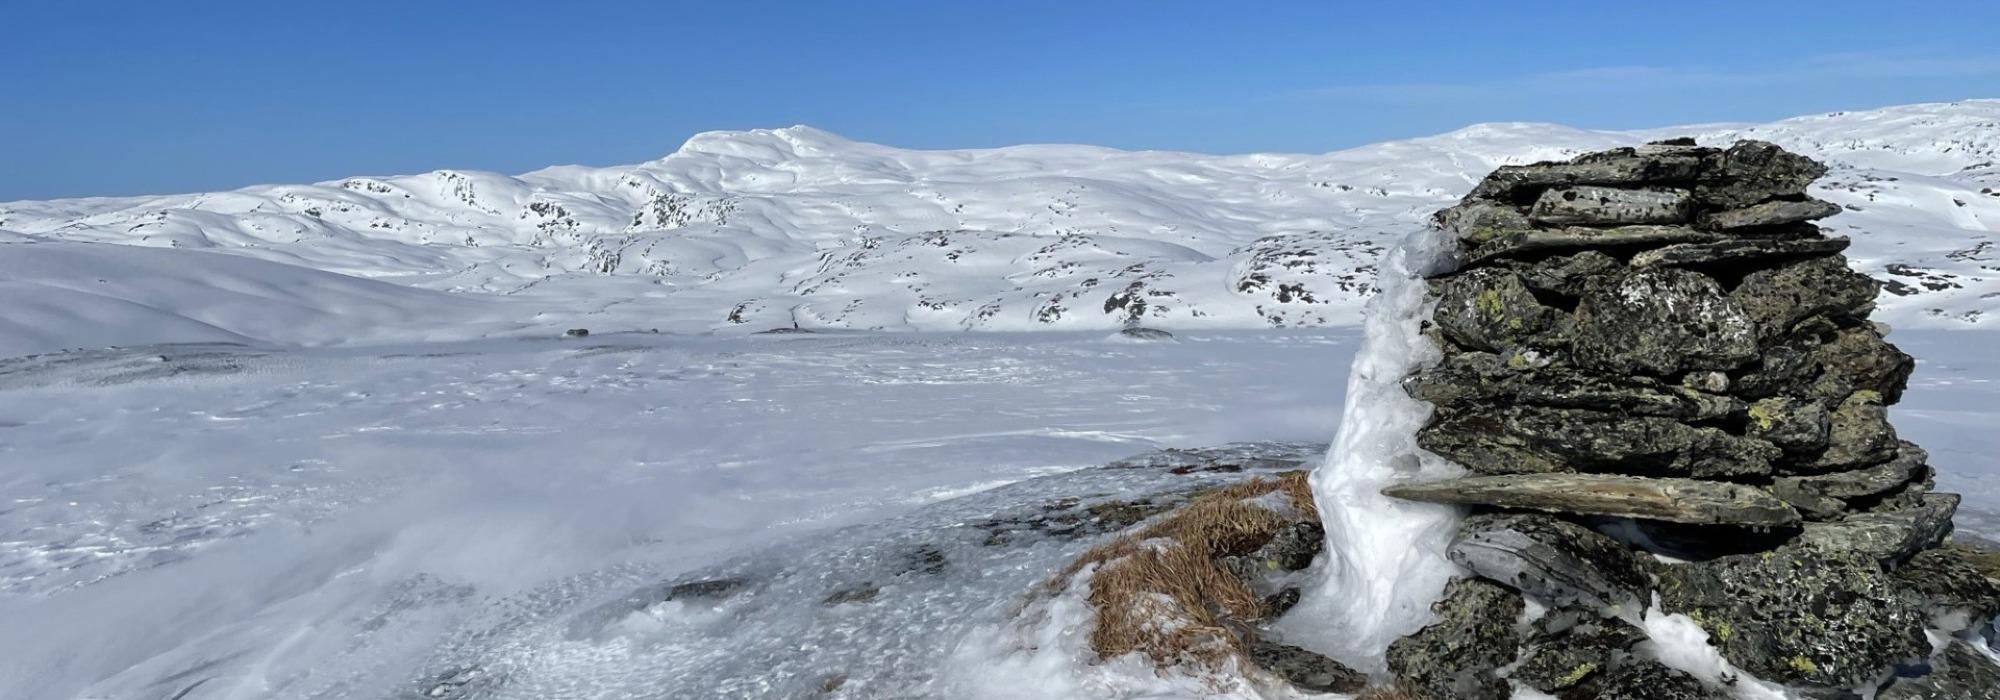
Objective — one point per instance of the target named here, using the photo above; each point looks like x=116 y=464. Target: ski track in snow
x=358 y=522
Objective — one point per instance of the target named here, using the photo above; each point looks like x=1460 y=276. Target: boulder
x=1304 y=669
x=1673 y=500
x=1888 y=536
x=1570 y=648
x=1859 y=359
x=1779 y=298
x=1752 y=172
x=1960 y=672
x=1491 y=309
x=1772 y=213
x=1522 y=183
x=1800 y=615
x=1592 y=205
x=1551 y=560
x=1532 y=439
x=1736 y=251
x=1291 y=549
x=1455 y=657
x=1662 y=322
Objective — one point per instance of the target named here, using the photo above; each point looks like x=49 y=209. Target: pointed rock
x=1752 y=172
x=1774 y=213
x=1673 y=500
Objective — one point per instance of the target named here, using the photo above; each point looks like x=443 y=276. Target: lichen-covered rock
x=1778 y=298
x=1752 y=172
x=1509 y=244
x=1800 y=615
x=1609 y=206
x=1859 y=359
x=1291 y=549
x=1735 y=251
x=1947 y=577
x=1488 y=378
x=1552 y=560
x=1662 y=322
x=1773 y=213
x=1638 y=679
x=1794 y=425
x=1531 y=439
x=1305 y=669
x=1858 y=434
x=1889 y=536
x=1571 y=647
x=1825 y=495
x=1454 y=658
x=1491 y=309
x=1475 y=222
x=1959 y=672
x=1521 y=183
x=1568 y=275
x=1690 y=501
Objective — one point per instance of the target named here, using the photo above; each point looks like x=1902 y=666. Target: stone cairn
x=1661 y=376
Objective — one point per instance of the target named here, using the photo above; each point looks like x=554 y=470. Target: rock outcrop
x=1654 y=350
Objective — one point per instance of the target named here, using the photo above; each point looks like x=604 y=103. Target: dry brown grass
x=1160 y=592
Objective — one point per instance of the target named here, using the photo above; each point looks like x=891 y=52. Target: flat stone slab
x=1888 y=536
x=1691 y=254
x=1672 y=500
x=1623 y=167
x=1592 y=205
x=1536 y=241
x=1774 y=213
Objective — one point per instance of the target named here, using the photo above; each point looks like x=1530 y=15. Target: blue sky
x=106 y=98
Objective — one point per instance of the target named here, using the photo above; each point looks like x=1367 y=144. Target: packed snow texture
x=768 y=228
x=1386 y=556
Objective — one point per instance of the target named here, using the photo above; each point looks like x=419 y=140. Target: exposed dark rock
x=577 y=332
x=858 y=593
x=1486 y=378
x=1528 y=439
x=1889 y=536
x=1752 y=172
x=1736 y=251
x=1778 y=298
x=1794 y=425
x=1277 y=604
x=1521 y=183
x=1638 y=679
x=1662 y=322
x=1858 y=434
x=1140 y=333
x=1304 y=669
x=1959 y=672
x=1508 y=244
x=706 y=590
x=1475 y=222
x=1672 y=500
x=1858 y=359
x=1571 y=647
x=1554 y=561
x=1800 y=615
x=1291 y=549
x=1609 y=206
x=1454 y=658
x=1829 y=493
x=1774 y=213
x=1568 y=275
x=1947 y=577
x=1491 y=309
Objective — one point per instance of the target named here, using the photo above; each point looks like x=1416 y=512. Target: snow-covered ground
x=216 y=521
x=744 y=231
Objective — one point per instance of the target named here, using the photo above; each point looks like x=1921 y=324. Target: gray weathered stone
x=1570 y=647
x=1478 y=221
x=1779 y=298
x=1794 y=425
x=1736 y=250
x=1799 y=615
x=1305 y=669
x=1551 y=560
x=1592 y=205
x=1859 y=359
x=1751 y=172
x=1959 y=672
x=1907 y=466
x=1454 y=657
x=1946 y=577
x=1568 y=275
x=1486 y=377
x=1623 y=167
x=1491 y=309
x=1642 y=679
x=1858 y=434
x=1888 y=536
x=1540 y=241
x=1662 y=322
x=1532 y=439
x=1773 y=213
x=1673 y=500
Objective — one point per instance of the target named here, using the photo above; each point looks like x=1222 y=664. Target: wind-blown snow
x=756 y=229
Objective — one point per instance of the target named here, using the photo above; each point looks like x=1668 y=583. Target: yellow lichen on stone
x=1576 y=675
x=1490 y=304
x=1803 y=664
x=1762 y=412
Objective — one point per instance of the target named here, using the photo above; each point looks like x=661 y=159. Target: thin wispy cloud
x=1641 y=78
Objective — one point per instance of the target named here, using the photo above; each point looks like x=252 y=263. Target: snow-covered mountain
x=756 y=229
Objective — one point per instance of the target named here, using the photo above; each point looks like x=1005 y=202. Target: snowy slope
x=749 y=230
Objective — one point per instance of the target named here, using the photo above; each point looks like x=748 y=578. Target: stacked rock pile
x=1663 y=381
